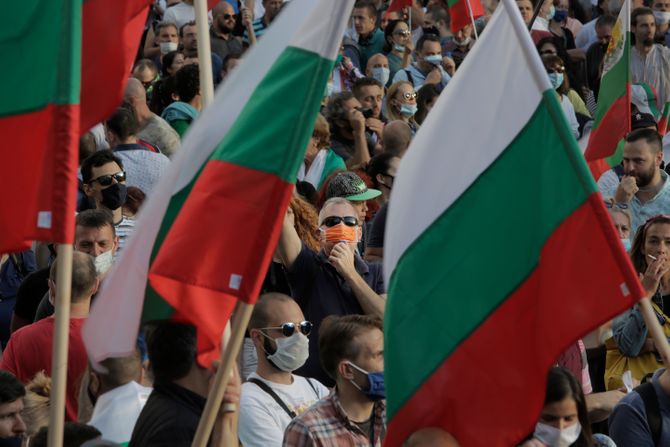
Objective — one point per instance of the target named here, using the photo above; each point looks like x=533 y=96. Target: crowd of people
x=311 y=369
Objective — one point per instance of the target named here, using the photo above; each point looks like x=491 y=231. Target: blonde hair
x=36 y=403
x=389 y=112
x=321 y=132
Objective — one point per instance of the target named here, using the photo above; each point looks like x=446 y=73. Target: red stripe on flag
x=397 y=5
x=111 y=34
x=219 y=247
x=39 y=175
x=460 y=16
x=497 y=375
x=612 y=128
x=598 y=168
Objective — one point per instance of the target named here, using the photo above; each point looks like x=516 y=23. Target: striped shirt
x=326 y=423
x=259 y=30
x=123 y=231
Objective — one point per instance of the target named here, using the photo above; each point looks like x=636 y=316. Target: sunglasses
x=402 y=33
x=106 y=180
x=229 y=16
x=408 y=95
x=288 y=329
x=331 y=221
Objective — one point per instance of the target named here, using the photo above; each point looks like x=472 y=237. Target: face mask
x=376 y=390
x=662 y=17
x=556 y=80
x=12 y=442
x=434 y=59
x=552 y=13
x=291 y=353
x=553 y=437
x=381 y=74
x=463 y=43
x=114 y=196
x=408 y=110
x=329 y=89
x=341 y=233
x=166 y=47
x=103 y=262
x=626 y=243
x=398 y=47
x=561 y=15
x=431 y=30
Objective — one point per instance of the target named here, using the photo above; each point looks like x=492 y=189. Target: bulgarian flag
x=663 y=122
x=398 y=5
x=464 y=12
x=612 y=118
x=508 y=257
x=39 y=121
x=206 y=237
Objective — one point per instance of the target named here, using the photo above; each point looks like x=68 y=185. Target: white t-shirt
x=117 y=410
x=263 y=420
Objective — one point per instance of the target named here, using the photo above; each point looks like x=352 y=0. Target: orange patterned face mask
x=341 y=233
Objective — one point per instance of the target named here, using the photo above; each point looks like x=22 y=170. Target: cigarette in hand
x=652 y=257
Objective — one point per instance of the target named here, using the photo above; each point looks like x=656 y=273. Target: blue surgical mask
x=560 y=15
x=376 y=390
x=556 y=80
x=398 y=47
x=434 y=59
x=626 y=243
x=381 y=74
x=408 y=110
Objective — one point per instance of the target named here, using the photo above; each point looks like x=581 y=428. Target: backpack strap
x=262 y=385
x=652 y=409
x=316 y=393
x=410 y=78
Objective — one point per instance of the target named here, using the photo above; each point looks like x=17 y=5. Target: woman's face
x=561 y=414
x=548 y=49
x=401 y=34
x=361 y=210
x=621 y=223
x=657 y=240
x=177 y=63
x=405 y=95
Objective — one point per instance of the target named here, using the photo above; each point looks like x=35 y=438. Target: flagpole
x=535 y=13
x=241 y=317
x=472 y=18
x=204 y=53
x=60 y=346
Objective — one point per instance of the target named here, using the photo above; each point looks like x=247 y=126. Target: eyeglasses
x=331 y=221
x=287 y=329
x=408 y=95
x=106 y=180
x=405 y=33
x=228 y=16
x=559 y=69
x=622 y=206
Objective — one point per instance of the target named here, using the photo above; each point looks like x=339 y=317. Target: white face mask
x=166 y=47
x=291 y=353
x=554 y=437
x=662 y=17
x=103 y=262
x=381 y=74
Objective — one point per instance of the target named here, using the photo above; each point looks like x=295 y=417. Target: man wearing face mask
x=661 y=10
x=29 y=348
x=105 y=182
x=352 y=352
x=273 y=395
x=428 y=67
x=378 y=68
x=334 y=281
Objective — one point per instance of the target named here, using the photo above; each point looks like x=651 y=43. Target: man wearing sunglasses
x=105 y=182
x=273 y=395
x=221 y=36
x=334 y=281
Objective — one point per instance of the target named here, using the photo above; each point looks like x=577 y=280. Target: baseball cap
x=351 y=187
x=641 y=120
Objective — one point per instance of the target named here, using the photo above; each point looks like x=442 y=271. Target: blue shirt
x=628 y=421
x=418 y=77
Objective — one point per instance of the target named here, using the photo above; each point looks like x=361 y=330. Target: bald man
x=153 y=129
x=396 y=137
x=431 y=437
x=223 y=43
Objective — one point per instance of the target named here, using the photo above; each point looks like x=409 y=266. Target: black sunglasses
x=106 y=180
x=287 y=329
x=331 y=221
x=229 y=16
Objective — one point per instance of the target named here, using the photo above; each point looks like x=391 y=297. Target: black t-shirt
x=30 y=293
x=376 y=234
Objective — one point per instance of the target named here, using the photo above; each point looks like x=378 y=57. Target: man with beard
x=461 y=44
x=644 y=189
x=649 y=62
x=221 y=33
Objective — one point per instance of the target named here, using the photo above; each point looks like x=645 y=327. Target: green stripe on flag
x=517 y=206
x=613 y=83
x=269 y=135
x=42 y=39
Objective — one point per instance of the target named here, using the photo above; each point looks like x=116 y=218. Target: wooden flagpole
x=204 y=53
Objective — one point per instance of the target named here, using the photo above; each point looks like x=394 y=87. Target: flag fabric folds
x=498 y=268
x=463 y=12
x=39 y=122
x=206 y=237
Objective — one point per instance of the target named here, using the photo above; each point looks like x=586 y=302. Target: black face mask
x=431 y=30
x=114 y=196
x=11 y=442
